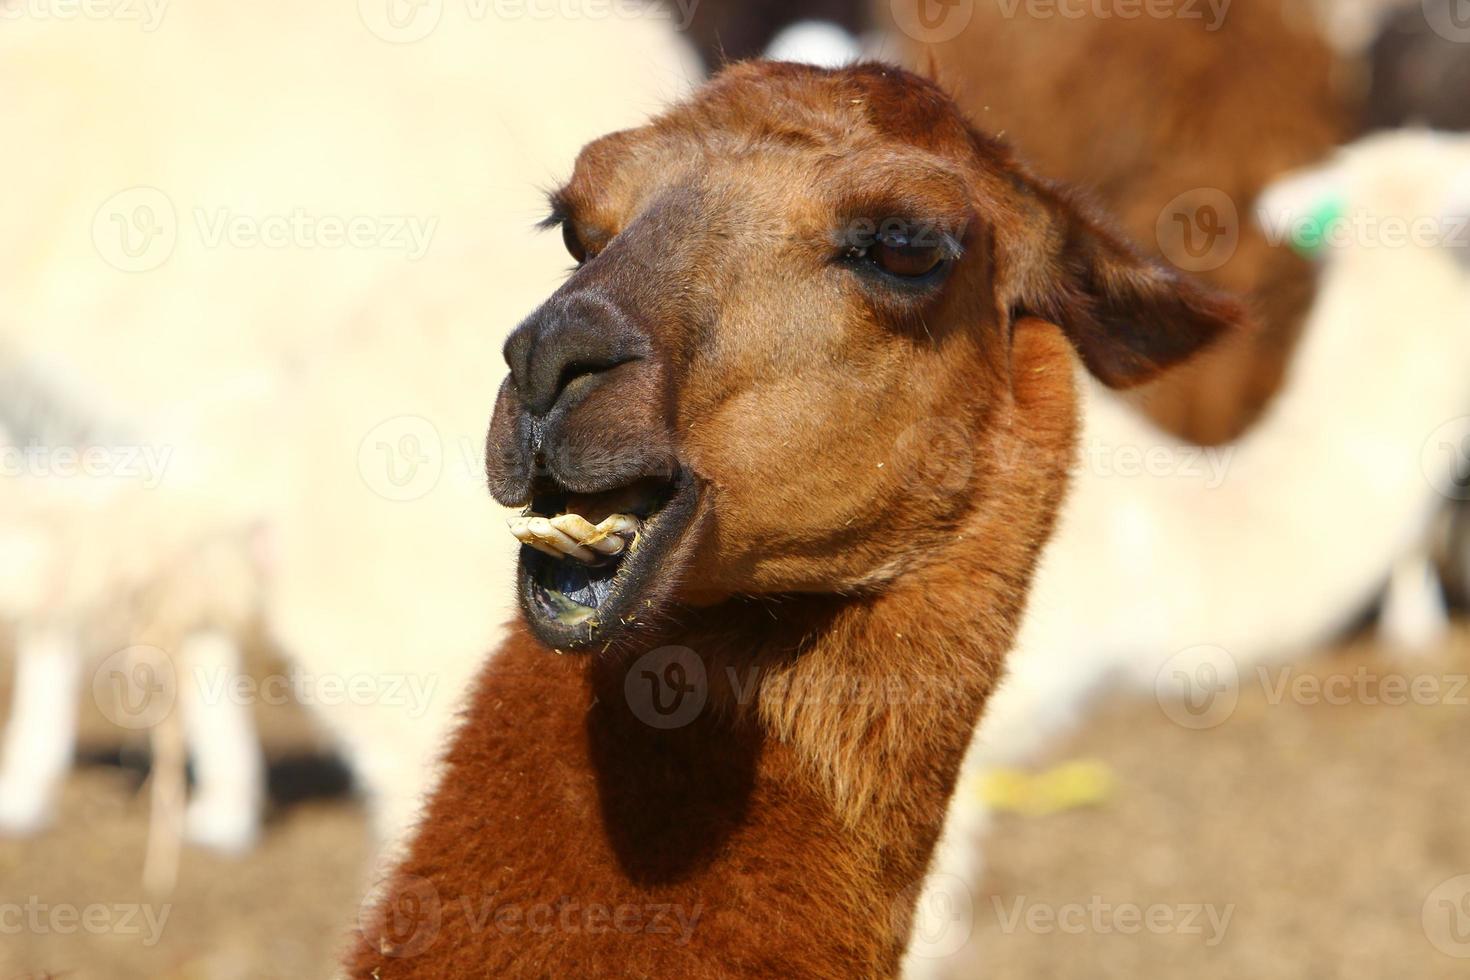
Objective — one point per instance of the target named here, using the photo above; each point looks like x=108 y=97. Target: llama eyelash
x=863 y=233
x=558 y=210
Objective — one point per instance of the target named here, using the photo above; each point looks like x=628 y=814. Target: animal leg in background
x=229 y=769
x=40 y=739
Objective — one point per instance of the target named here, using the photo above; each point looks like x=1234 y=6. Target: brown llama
x=790 y=439
x=1153 y=114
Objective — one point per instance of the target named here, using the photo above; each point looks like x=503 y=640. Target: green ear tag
x=1309 y=237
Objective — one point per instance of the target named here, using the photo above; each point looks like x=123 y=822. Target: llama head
x=795 y=294
x=1392 y=198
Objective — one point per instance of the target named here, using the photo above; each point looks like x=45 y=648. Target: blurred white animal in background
x=1205 y=566
x=1351 y=25
x=815 y=42
x=388 y=559
x=296 y=243
x=1418 y=70
x=110 y=542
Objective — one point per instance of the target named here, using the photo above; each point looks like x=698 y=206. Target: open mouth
x=594 y=565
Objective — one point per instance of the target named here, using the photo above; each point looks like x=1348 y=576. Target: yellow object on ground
x=1070 y=786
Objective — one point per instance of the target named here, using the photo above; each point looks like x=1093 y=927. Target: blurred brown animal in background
x=1144 y=110
x=780 y=283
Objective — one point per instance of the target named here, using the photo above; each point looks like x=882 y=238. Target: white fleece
x=1202 y=566
x=242 y=239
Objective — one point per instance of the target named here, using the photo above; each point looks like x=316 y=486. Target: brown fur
x=1143 y=110
x=845 y=591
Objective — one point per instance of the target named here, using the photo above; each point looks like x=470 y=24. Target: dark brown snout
x=570 y=343
x=584 y=408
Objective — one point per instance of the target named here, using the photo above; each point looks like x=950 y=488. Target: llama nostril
x=569 y=365
x=567 y=342
x=544 y=394
x=579 y=369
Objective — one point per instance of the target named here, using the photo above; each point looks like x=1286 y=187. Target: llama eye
x=908 y=257
x=575 y=246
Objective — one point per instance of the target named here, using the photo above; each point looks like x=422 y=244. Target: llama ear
x=1128 y=317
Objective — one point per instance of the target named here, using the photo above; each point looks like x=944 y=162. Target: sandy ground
x=1324 y=827
x=1321 y=829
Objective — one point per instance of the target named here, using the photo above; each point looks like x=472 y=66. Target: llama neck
x=786 y=819
x=786 y=822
